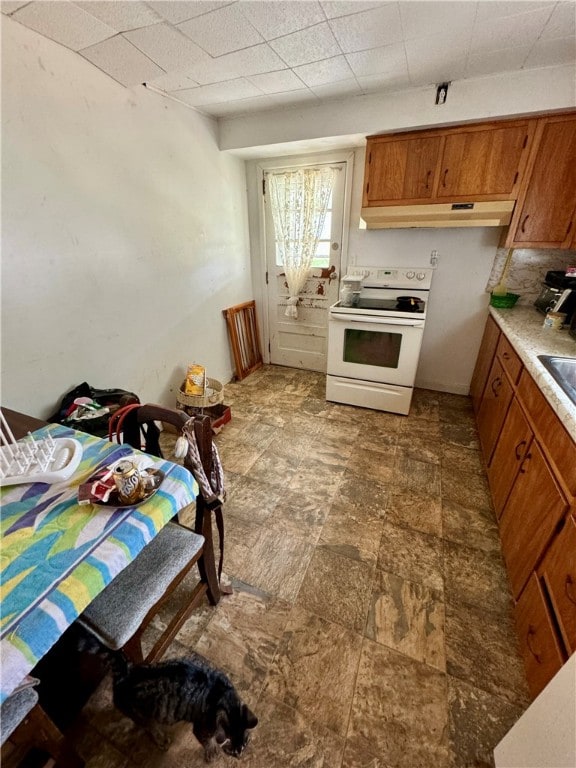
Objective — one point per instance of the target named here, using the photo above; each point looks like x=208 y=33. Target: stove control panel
x=394 y=277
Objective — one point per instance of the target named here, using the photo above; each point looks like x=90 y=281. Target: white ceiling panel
x=221 y=31
x=212 y=94
x=420 y=19
x=177 y=11
x=548 y=52
x=121 y=15
x=276 y=82
x=386 y=58
x=228 y=55
x=65 y=23
x=275 y=19
x=370 y=29
x=9 y=6
x=119 y=59
x=312 y=44
x=510 y=31
x=167 y=47
x=323 y=72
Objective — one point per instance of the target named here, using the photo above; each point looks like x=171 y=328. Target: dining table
x=57 y=555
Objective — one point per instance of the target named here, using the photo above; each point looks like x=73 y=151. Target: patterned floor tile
x=419 y=510
x=412 y=555
x=350 y=532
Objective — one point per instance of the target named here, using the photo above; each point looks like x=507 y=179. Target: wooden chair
x=24 y=723
x=121 y=613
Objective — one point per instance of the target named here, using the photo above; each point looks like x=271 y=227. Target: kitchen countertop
x=523 y=327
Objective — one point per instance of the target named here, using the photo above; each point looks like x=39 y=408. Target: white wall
x=124 y=232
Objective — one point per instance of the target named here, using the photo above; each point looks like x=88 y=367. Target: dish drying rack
x=48 y=460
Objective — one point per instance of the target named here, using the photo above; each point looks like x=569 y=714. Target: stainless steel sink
x=563 y=369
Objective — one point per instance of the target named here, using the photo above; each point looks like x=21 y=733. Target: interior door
x=302 y=342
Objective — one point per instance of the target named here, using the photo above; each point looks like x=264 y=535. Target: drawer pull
x=523 y=225
x=526 y=458
x=529 y=635
x=505 y=355
x=569 y=587
x=495 y=385
x=428 y=179
x=517 y=450
x=444 y=177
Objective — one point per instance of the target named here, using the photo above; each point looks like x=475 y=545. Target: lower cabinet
x=531 y=466
x=539 y=645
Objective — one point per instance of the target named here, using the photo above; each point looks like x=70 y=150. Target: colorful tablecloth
x=56 y=555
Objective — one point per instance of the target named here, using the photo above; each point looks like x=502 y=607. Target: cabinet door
x=484 y=362
x=545 y=214
x=497 y=396
x=511 y=449
x=483 y=163
x=401 y=170
x=538 y=643
x=533 y=510
x=558 y=570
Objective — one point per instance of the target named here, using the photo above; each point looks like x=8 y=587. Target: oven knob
x=409 y=275
x=420 y=276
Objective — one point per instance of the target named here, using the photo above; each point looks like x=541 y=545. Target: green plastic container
x=504 y=302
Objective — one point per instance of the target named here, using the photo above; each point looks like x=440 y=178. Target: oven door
x=380 y=349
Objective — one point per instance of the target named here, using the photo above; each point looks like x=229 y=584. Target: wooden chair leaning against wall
x=121 y=613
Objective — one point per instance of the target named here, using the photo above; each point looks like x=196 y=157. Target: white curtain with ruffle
x=299 y=201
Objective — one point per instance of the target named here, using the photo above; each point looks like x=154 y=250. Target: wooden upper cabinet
x=545 y=213
x=484 y=164
x=402 y=169
x=470 y=163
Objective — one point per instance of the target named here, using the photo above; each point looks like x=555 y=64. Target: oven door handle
x=352 y=318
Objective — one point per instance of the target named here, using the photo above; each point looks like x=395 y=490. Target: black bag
x=111 y=398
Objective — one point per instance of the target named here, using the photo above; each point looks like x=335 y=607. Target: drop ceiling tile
x=369 y=29
x=335 y=8
x=119 y=59
x=65 y=23
x=172 y=83
x=480 y=64
x=221 y=31
x=386 y=58
x=212 y=94
x=420 y=19
x=275 y=19
x=562 y=23
x=238 y=106
x=334 y=90
x=496 y=9
x=323 y=72
x=177 y=11
x=245 y=63
x=167 y=47
x=9 y=6
x=521 y=29
x=434 y=59
x=277 y=82
x=548 y=52
x=121 y=15
x=312 y=44
x=295 y=98
x=384 y=83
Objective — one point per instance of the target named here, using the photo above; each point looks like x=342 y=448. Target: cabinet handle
x=444 y=177
x=517 y=450
x=523 y=225
x=568 y=586
x=495 y=385
x=529 y=635
x=569 y=228
x=428 y=179
x=505 y=355
x=526 y=458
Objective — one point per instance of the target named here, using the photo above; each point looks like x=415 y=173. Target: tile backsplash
x=528 y=270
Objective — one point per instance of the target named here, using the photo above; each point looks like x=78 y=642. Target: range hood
x=491 y=214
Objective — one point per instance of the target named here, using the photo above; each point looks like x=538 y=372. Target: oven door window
x=379 y=348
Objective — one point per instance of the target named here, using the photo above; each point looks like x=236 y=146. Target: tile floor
x=371 y=623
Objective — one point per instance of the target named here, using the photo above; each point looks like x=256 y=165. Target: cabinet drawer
x=558 y=570
x=509 y=359
x=538 y=643
x=559 y=445
x=497 y=396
